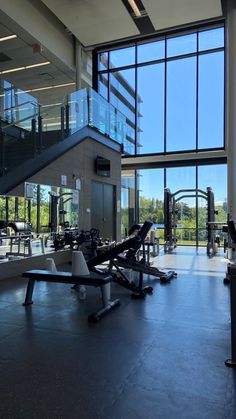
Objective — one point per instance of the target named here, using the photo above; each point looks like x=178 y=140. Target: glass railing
x=30 y=128
x=76 y=110
x=105 y=117
x=16 y=105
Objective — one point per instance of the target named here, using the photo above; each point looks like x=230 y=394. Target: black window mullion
x=197 y=91
x=165 y=101
x=197 y=225
x=136 y=103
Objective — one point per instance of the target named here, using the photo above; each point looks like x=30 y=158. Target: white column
x=231 y=105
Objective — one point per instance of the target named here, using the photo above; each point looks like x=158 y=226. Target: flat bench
x=93 y=279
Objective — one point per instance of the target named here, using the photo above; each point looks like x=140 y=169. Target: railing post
x=33 y=132
x=67 y=120
x=40 y=135
x=2 y=150
x=89 y=108
x=62 y=123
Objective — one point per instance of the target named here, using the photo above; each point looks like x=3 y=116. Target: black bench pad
x=93 y=279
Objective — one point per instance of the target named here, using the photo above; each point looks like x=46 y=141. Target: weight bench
x=124 y=255
x=93 y=279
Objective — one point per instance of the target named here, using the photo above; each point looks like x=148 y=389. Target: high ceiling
x=92 y=22
x=24 y=51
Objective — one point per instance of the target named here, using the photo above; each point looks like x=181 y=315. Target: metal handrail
x=21 y=104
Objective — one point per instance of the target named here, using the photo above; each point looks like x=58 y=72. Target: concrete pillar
x=231 y=105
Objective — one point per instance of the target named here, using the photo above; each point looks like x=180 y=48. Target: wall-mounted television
x=103 y=166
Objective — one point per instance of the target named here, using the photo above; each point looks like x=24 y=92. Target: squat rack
x=170 y=216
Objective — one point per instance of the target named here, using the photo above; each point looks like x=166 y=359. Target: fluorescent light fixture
x=55 y=86
x=51 y=87
x=135 y=8
x=12 y=70
x=26 y=67
x=51 y=105
x=7 y=38
x=37 y=65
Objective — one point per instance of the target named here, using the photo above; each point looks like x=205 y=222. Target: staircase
x=30 y=144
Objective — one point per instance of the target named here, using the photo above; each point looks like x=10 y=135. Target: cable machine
x=53 y=210
x=171 y=212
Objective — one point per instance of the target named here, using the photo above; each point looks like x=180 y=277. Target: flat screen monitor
x=103 y=166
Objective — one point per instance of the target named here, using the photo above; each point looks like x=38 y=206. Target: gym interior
x=118 y=209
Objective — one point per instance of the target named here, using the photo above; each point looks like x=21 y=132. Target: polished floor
x=161 y=358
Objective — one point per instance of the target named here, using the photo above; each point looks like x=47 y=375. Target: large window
x=128 y=201
x=191 y=209
x=171 y=90
x=181 y=105
x=150 y=112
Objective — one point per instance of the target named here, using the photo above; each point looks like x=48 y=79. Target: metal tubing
x=62 y=122
x=40 y=135
x=29 y=293
x=232 y=362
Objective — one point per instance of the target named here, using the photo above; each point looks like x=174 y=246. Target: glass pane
x=181 y=45
x=211 y=101
x=98 y=112
x=103 y=85
x=181 y=105
x=177 y=179
x=127 y=201
x=122 y=57
x=150 y=109
x=151 y=51
x=122 y=97
x=103 y=61
x=78 y=110
x=151 y=198
x=208 y=176
x=180 y=178
x=213 y=38
x=3 y=215
x=104 y=117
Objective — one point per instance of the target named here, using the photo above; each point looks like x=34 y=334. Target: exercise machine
x=22 y=238
x=95 y=279
x=171 y=216
x=124 y=256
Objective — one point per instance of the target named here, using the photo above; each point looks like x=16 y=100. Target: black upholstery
x=132 y=245
x=232 y=231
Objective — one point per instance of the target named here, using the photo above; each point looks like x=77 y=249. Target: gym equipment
x=3 y=234
x=124 y=255
x=231 y=362
x=89 y=242
x=231 y=268
x=55 y=202
x=22 y=238
x=170 y=217
x=21 y=227
x=94 y=279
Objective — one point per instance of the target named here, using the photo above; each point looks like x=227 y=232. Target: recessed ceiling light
x=11 y=70
x=26 y=67
x=7 y=38
x=135 y=8
x=37 y=65
x=55 y=86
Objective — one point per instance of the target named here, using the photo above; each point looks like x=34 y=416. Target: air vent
x=46 y=76
x=4 y=57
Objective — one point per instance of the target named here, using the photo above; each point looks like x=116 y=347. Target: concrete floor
x=158 y=358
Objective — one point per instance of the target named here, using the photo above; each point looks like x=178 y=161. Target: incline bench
x=124 y=255
x=94 y=279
